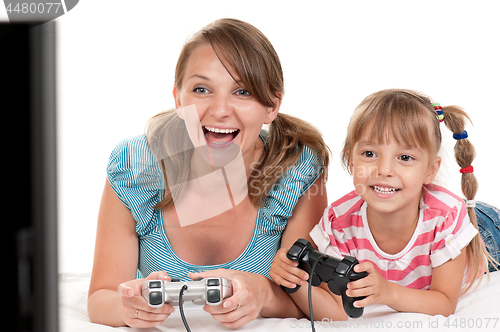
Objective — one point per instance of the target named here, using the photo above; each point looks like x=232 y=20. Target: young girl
x=417 y=241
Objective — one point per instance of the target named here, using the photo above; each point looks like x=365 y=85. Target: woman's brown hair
x=244 y=49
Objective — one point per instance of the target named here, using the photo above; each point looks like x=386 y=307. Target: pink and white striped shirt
x=443 y=229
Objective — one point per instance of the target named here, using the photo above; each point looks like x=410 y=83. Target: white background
x=116 y=63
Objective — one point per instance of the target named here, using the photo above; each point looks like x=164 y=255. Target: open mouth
x=220 y=135
x=385 y=190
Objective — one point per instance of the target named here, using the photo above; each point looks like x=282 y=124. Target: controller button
x=155 y=298
x=175 y=280
x=294 y=252
x=213 y=282
x=350 y=260
x=155 y=284
x=213 y=295
x=342 y=269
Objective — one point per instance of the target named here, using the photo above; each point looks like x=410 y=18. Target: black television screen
x=28 y=104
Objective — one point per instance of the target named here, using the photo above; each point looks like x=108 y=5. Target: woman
x=232 y=76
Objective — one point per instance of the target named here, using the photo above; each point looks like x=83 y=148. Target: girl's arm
x=440 y=299
x=115 y=264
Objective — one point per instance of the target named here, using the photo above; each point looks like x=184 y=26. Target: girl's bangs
x=406 y=121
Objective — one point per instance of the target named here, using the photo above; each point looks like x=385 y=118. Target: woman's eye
x=200 y=90
x=406 y=158
x=368 y=154
x=242 y=92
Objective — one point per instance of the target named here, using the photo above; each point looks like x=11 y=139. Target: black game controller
x=336 y=273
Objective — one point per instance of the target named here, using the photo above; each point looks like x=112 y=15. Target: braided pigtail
x=477 y=257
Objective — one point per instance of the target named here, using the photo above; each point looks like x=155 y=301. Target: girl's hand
x=135 y=310
x=285 y=272
x=249 y=297
x=374 y=286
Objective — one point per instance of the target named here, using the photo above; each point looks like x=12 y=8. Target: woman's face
x=228 y=113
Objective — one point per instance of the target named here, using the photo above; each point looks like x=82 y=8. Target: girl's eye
x=369 y=154
x=200 y=90
x=406 y=158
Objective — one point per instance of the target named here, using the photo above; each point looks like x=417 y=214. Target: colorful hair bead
x=465 y=170
x=439 y=111
x=462 y=135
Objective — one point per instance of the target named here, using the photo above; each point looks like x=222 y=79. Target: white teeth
x=222 y=131
x=384 y=190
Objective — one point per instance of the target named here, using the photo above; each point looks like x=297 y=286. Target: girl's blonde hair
x=409 y=118
x=246 y=50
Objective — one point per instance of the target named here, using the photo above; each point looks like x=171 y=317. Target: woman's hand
x=135 y=310
x=285 y=272
x=247 y=300
x=374 y=286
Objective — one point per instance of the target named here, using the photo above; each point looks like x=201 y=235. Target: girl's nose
x=385 y=167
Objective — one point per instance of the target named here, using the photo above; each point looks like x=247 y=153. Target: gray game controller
x=211 y=291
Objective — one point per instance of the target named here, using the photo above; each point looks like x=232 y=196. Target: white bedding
x=476 y=311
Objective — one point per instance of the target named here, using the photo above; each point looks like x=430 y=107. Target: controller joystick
x=211 y=291
x=336 y=273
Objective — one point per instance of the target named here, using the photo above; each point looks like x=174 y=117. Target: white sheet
x=476 y=311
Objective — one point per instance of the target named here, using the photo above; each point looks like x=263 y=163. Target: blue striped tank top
x=135 y=177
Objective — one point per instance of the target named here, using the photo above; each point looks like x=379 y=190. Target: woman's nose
x=221 y=107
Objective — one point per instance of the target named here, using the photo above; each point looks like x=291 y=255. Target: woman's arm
x=308 y=211
x=115 y=262
x=306 y=214
x=440 y=299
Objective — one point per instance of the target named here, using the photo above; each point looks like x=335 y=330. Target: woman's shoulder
x=293 y=182
x=307 y=155
x=132 y=165
x=130 y=146
x=135 y=177
x=132 y=153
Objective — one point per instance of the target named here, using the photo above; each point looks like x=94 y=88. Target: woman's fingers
x=136 y=311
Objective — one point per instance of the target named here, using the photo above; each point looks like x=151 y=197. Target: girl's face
x=390 y=176
x=228 y=113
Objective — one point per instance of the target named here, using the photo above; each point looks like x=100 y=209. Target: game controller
x=211 y=291
x=336 y=273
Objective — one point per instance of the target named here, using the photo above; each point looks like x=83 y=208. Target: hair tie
x=465 y=170
x=462 y=135
x=470 y=203
x=439 y=111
